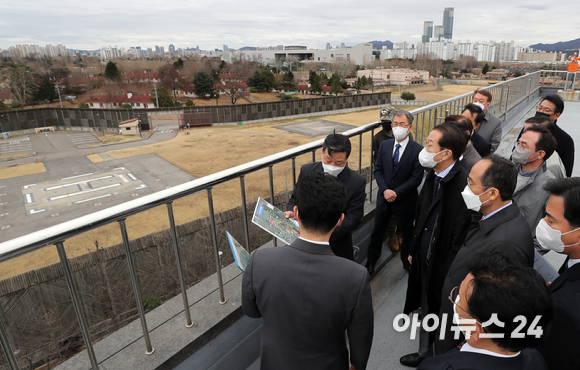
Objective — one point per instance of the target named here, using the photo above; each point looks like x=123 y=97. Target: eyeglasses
x=525 y=146
x=394 y=124
x=429 y=146
x=539 y=108
x=453 y=296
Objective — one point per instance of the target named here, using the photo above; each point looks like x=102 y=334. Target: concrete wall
x=19 y=121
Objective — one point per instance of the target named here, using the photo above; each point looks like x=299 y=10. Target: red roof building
x=116 y=101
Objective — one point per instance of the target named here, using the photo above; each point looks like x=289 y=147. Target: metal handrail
x=510 y=93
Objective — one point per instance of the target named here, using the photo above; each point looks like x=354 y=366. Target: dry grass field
x=204 y=151
x=21 y=170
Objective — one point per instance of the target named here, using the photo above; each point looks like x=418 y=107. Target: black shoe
x=412 y=360
x=370 y=268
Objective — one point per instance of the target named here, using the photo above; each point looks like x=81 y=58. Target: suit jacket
x=561 y=346
x=490 y=129
x=448 y=236
x=528 y=359
x=341 y=239
x=470 y=157
x=565 y=149
x=308 y=297
x=403 y=180
x=506 y=231
x=482 y=146
x=378 y=140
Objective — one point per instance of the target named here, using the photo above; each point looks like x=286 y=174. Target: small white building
x=129 y=127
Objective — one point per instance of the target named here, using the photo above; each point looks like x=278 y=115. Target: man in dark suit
x=398 y=174
x=335 y=152
x=560 y=231
x=386 y=117
x=552 y=107
x=307 y=296
x=498 y=226
x=441 y=224
x=497 y=299
x=490 y=128
x=474 y=111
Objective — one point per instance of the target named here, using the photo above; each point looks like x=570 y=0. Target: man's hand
x=410 y=259
x=289 y=214
x=390 y=195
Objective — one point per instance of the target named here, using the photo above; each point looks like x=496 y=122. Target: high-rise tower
x=448 y=23
x=427 y=31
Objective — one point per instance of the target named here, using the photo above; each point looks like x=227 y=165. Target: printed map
x=275 y=222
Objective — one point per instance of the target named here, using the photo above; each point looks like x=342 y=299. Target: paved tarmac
x=73 y=186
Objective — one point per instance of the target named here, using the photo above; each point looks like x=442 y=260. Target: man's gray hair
x=402 y=112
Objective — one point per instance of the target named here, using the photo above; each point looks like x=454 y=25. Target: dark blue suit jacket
x=403 y=180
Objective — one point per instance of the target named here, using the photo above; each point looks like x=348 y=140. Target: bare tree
x=21 y=81
x=233 y=90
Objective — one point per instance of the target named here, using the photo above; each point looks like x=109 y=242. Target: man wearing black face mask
x=535 y=146
x=387 y=132
x=552 y=107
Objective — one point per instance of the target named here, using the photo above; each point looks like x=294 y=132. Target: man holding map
x=335 y=152
x=307 y=296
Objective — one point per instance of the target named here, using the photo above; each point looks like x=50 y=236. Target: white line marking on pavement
x=123 y=178
x=142 y=186
x=28 y=186
x=84 y=192
x=28 y=198
x=119 y=168
x=88 y=200
x=33 y=211
x=79 y=182
x=133 y=177
x=74 y=177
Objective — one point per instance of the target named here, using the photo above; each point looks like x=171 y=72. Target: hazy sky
x=211 y=24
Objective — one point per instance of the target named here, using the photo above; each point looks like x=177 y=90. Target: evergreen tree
x=163 y=96
x=111 y=71
x=203 y=84
x=485 y=69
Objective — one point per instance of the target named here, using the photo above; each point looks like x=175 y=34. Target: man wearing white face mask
x=441 y=224
x=498 y=226
x=560 y=231
x=398 y=173
x=335 y=152
x=535 y=146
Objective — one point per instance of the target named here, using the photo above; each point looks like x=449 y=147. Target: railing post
x=245 y=211
x=215 y=247
x=314 y=155
x=360 y=154
x=293 y=172
x=188 y=323
x=507 y=102
x=76 y=304
x=372 y=165
x=271 y=176
x=136 y=290
x=542 y=83
x=501 y=102
x=6 y=347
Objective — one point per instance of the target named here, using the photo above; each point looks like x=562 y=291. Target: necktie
x=436 y=185
x=396 y=155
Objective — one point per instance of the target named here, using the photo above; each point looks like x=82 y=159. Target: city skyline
x=209 y=25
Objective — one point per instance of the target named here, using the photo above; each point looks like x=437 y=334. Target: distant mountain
x=379 y=44
x=248 y=48
x=559 y=46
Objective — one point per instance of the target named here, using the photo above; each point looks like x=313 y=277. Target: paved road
x=73 y=186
